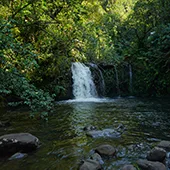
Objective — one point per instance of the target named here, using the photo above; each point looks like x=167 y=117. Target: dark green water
x=65 y=144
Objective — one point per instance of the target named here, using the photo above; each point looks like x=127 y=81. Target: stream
x=64 y=143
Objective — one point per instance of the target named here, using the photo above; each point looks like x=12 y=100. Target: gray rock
x=19 y=142
x=149 y=165
x=95 y=133
x=156 y=154
x=165 y=145
x=111 y=133
x=128 y=167
x=90 y=165
x=97 y=157
x=106 y=150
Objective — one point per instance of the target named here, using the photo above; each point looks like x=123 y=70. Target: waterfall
x=130 y=78
x=83 y=85
x=100 y=77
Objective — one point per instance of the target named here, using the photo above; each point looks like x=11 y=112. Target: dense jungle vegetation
x=39 y=39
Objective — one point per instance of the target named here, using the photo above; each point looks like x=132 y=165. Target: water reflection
x=64 y=143
x=82 y=114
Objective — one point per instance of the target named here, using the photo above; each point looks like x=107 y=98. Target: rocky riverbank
x=156 y=159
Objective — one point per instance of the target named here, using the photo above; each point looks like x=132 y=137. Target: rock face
x=106 y=150
x=19 y=142
x=90 y=165
x=156 y=154
x=149 y=165
x=128 y=167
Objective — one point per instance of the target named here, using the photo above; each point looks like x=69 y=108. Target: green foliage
x=17 y=62
x=39 y=40
x=143 y=40
x=13 y=84
x=156 y=61
x=14 y=54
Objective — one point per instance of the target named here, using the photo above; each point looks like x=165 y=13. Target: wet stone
x=110 y=133
x=156 y=154
x=128 y=167
x=106 y=150
x=150 y=165
x=18 y=142
x=165 y=145
x=90 y=165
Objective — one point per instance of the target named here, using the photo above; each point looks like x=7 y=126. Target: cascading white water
x=83 y=85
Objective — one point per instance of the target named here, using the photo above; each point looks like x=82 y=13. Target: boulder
x=90 y=165
x=149 y=165
x=165 y=145
x=156 y=154
x=106 y=150
x=128 y=167
x=18 y=142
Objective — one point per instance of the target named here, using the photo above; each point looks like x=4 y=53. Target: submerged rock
x=18 y=142
x=111 y=133
x=18 y=155
x=156 y=154
x=128 y=167
x=149 y=165
x=97 y=157
x=90 y=165
x=105 y=150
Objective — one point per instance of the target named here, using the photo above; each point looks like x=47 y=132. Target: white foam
x=87 y=100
